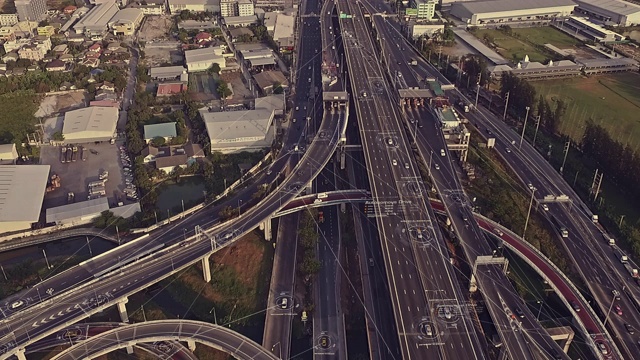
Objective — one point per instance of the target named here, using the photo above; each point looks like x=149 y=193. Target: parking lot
x=76 y=176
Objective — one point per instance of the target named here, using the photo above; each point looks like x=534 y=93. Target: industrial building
x=95 y=123
x=203 y=59
x=236 y=131
x=494 y=12
x=584 y=27
x=618 y=12
x=176 y=6
x=31 y=10
x=95 y=22
x=81 y=213
x=22 y=189
x=126 y=21
x=538 y=71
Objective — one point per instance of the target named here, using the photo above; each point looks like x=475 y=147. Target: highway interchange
x=430 y=312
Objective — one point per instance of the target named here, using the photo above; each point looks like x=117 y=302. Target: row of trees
x=308 y=235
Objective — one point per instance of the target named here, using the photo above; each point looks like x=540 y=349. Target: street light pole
x=524 y=127
x=536 y=133
x=478 y=88
x=504 y=115
x=540 y=302
x=215 y=318
x=239 y=207
x=526 y=222
x=430 y=158
x=45 y=259
x=566 y=151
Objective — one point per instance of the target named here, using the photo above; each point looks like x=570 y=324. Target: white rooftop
x=615 y=6
x=126 y=16
x=22 y=189
x=167 y=71
x=237 y=124
x=194 y=2
x=94 y=118
x=492 y=6
x=81 y=209
x=284 y=26
x=201 y=55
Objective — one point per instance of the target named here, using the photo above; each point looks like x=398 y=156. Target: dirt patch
x=156 y=28
x=240 y=91
x=58 y=104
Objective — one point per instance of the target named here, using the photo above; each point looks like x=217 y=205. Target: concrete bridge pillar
x=191 y=344
x=206 y=269
x=122 y=309
x=20 y=354
x=266 y=226
x=129 y=349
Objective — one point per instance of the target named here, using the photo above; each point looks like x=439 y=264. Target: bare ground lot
x=156 y=28
x=77 y=175
x=202 y=87
x=240 y=91
x=56 y=104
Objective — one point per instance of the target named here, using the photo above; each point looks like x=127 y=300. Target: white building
x=479 y=13
x=8 y=154
x=22 y=189
x=169 y=73
x=95 y=22
x=589 y=29
x=417 y=30
x=284 y=29
x=8 y=19
x=426 y=8
x=176 y=6
x=90 y=124
x=236 y=131
x=623 y=13
x=31 y=10
x=203 y=59
x=245 y=8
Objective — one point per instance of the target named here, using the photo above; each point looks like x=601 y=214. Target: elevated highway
x=217 y=337
x=428 y=304
x=54 y=313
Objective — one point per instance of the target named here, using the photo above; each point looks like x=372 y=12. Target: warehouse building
x=95 y=22
x=95 y=123
x=494 y=12
x=236 y=131
x=126 y=21
x=22 y=190
x=623 y=13
x=84 y=212
x=203 y=59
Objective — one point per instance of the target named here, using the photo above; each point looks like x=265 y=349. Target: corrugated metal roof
x=160 y=130
x=490 y=6
x=21 y=192
x=91 y=208
x=614 y=6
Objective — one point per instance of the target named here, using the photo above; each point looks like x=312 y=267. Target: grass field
x=515 y=47
x=612 y=101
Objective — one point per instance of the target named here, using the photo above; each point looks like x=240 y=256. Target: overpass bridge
x=189 y=331
x=32 y=324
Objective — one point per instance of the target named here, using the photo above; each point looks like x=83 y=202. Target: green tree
x=158 y=141
x=277 y=88
x=214 y=69
x=310 y=265
x=223 y=90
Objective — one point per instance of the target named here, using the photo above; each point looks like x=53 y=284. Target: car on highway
x=575 y=306
x=370 y=261
x=437 y=166
x=447 y=313
x=285 y=303
x=324 y=342
x=603 y=348
x=618 y=310
x=508 y=150
x=545 y=207
x=530 y=186
x=616 y=294
x=498 y=232
x=442 y=153
x=630 y=329
x=406 y=165
x=390 y=141
x=519 y=312
x=428 y=329
x=394 y=162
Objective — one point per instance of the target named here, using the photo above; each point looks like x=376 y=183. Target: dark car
x=630 y=329
x=519 y=312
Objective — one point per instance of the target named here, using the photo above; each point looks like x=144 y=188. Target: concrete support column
x=122 y=309
x=473 y=284
x=191 y=344
x=129 y=349
x=20 y=354
x=206 y=268
x=266 y=225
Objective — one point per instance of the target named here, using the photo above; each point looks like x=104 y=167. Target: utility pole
x=504 y=116
x=619 y=225
x=566 y=151
x=524 y=127
x=478 y=89
x=45 y=259
x=535 y=135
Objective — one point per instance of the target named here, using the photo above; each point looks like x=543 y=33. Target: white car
x=17 y=304
x=394 y=162
x=406 y=165
x=437 y=167
x=545 y=207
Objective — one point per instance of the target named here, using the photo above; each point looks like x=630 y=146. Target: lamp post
x=279 y=349
x=524 y=127
x=430 y=158
x=504 y=115
x=535 y=135
x=526 y=222
x=540 y=303
x=478 y=89
x=215 y=318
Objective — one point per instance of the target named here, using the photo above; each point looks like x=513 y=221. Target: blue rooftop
x=165 y=130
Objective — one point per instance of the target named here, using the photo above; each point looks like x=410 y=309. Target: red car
x=618 y=310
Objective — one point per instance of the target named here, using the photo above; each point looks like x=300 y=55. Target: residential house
x=11 y=56
x=106 y=95
x=68 y=10
x=67 y=58
x=32 y=52
x=167 y=164
x=193 y=151
x=267 y=79
x=106 y=86
x=150 y=153
x=167 y=131
x=56 y=65
x=169 y=89
x=203 y=37
x=60 y=49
